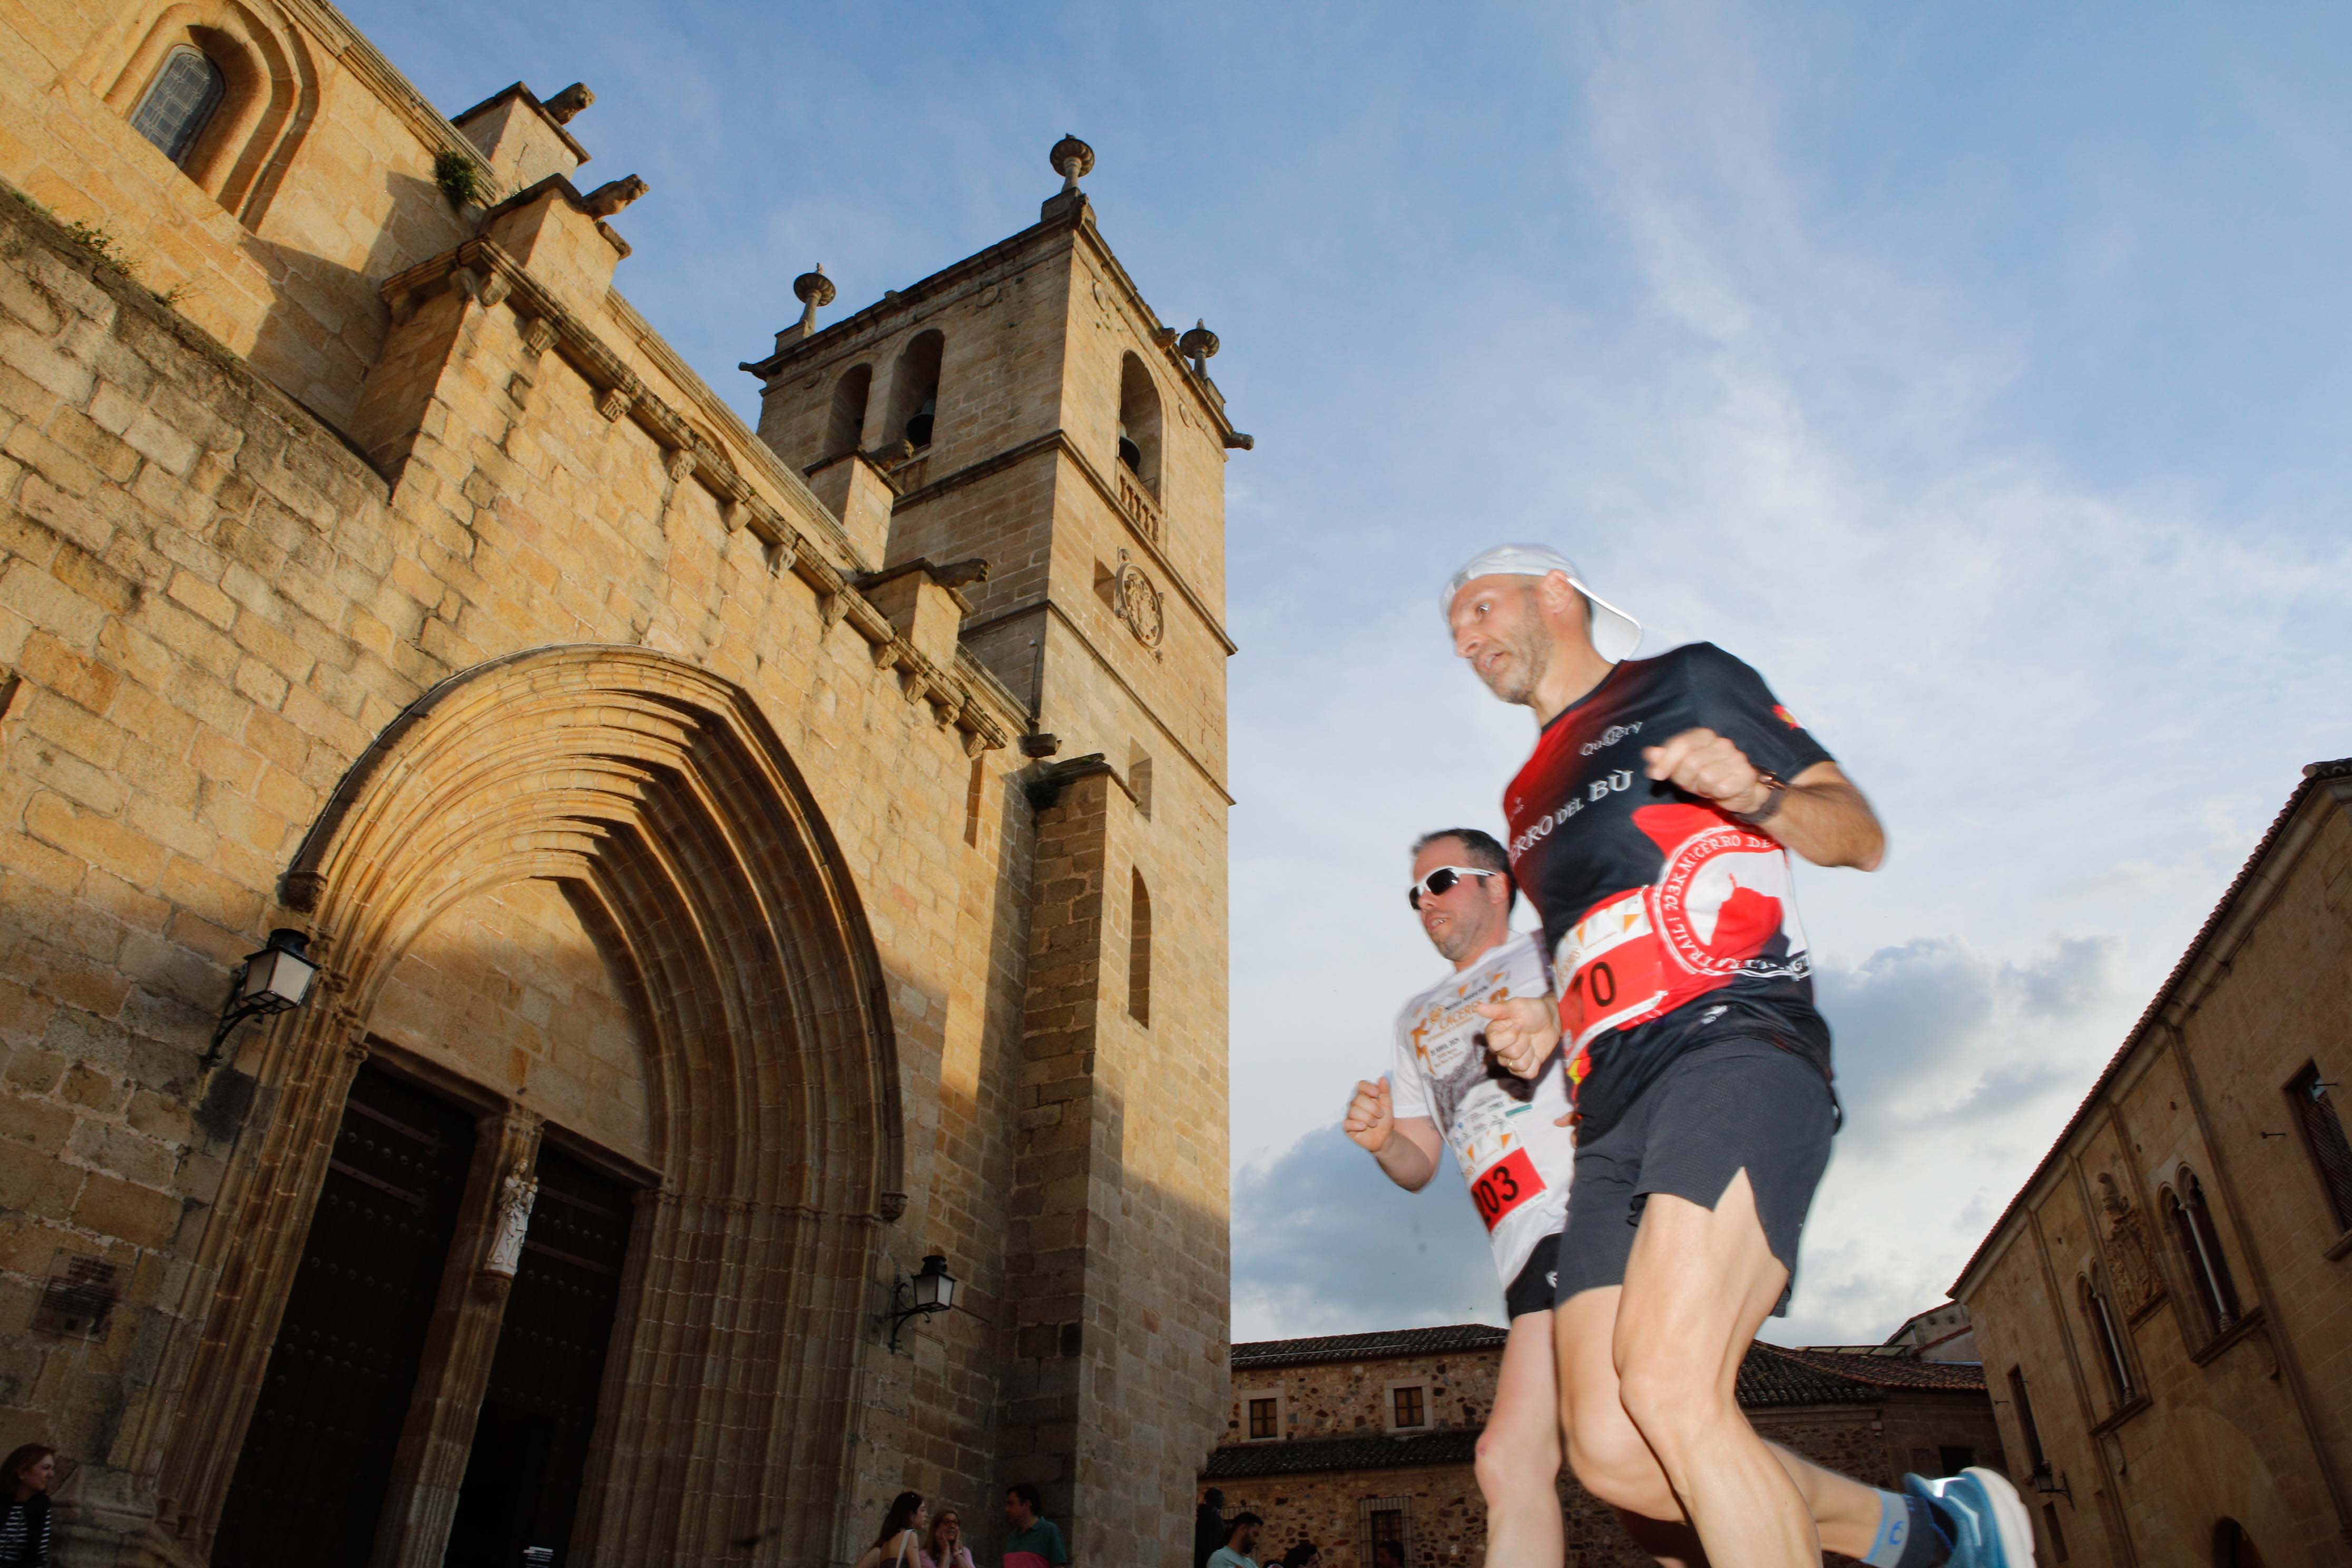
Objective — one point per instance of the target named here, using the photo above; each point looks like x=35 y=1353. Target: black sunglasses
x=1440 y=882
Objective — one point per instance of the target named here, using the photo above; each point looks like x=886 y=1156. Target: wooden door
x=530 y=1445
x=311 y=1479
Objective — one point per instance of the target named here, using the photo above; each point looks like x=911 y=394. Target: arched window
x=1138 y=422
x=915 y=391
x=1139 y=954
x=847 y=423
x=2201 y=1251
x=180 y=102
x=2106 y=1333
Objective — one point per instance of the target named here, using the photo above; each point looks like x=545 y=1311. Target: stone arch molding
x=660 y=792
x=272 y=92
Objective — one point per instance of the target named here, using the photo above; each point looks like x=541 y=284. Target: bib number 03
x=1503 y=1186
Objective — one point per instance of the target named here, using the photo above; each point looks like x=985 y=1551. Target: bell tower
x=1026 y=409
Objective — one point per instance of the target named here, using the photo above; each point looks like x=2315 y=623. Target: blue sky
x=1980 y=372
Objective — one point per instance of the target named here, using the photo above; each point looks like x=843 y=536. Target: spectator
x=1036 y=1541
x=1241 y=1541
x=947 y=1549
x=24 y=1480
x=900 y=1545
x=1306 y=1554
x=1208 y=1526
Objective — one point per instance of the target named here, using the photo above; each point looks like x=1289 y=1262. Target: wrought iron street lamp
x=272 y=981
x=932 y=1290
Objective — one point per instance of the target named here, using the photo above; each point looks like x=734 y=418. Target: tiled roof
x=1382 y=1346
x=1893 y=1370
x=1239 y=1460
x=1770 y=1376
x=2313 y=774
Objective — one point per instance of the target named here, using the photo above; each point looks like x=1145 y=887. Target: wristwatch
x=1776 y=789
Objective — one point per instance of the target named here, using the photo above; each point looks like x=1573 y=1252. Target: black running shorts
x=1532 y=1291
x=1732 y=1104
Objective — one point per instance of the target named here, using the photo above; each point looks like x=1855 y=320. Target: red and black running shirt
x=1664 y=917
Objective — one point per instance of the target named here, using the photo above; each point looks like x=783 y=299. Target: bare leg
x=1519 y=1453
x=1699 y=1284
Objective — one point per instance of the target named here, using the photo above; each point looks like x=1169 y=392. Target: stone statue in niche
x=2127 y=1257
x=510 y=1224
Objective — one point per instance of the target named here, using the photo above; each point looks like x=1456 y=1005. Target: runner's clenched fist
x=1371 y=1115
x=1521 y=1032
x=1704 y=763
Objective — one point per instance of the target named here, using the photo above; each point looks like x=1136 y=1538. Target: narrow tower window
x=847 y=425
x=2322 y=1137
x=1139 y=954
x=915 y=391
x=180 y=102
x=1138 y=422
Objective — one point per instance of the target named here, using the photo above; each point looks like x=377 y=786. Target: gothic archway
x=660 y=792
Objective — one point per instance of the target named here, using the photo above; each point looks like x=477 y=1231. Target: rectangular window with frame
x=1263 y=1419
x=1408 y=1407
x=2022 y=1403
x=2324 y=1140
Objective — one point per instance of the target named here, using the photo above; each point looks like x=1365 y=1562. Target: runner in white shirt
x=1515 y=1155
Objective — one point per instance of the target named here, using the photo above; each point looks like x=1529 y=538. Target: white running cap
x=1615 y=634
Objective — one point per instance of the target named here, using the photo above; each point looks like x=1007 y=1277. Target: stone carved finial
x=612 y=197
x=569 y=103
x=1074 y=161
x=1199 y=345
x=814 y=291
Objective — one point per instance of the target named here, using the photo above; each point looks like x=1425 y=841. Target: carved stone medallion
x=1137 y=601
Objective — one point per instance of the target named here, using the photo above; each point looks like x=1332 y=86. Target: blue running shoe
x=1989 y=1525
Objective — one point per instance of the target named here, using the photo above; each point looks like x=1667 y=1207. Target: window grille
x=180 y=102
x=1380 y=1519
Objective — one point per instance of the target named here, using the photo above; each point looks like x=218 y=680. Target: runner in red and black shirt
x=1652 y=828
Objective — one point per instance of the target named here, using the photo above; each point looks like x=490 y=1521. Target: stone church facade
x=741 y=866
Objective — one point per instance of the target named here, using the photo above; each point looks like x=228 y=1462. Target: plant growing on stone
x=458 y=176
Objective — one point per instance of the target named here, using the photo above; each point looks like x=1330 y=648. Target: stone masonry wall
x=1446 y=1518
x=210 y=606
x=2250 y=1424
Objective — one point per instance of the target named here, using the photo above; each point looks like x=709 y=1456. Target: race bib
x=1610 y=970
x=1505 y=1186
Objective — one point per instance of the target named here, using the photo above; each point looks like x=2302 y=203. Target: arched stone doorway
x=2232 y=1547
x=661 y=805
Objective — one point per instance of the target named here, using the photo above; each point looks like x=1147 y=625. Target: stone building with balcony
x=1348 y=1440
x=2165 y=1311
x=741 y=866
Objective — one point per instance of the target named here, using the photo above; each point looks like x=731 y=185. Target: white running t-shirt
x=1504 y=1131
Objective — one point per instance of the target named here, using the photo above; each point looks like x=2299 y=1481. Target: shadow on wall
x=326 y=325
